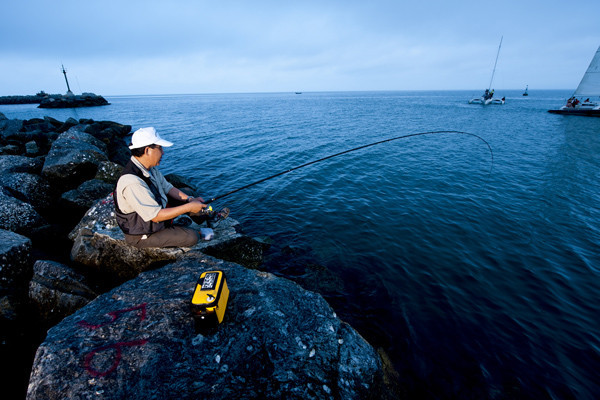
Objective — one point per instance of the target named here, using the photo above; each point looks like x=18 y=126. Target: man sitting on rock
x=141 y=197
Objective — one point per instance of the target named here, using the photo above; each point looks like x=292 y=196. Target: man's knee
x=190 y=237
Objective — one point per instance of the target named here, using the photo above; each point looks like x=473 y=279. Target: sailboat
x=589 y=87
x=525 y=92
x=488 y=95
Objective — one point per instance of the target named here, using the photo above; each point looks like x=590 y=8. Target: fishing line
x=351 y=150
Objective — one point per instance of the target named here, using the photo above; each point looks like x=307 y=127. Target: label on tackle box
x=210 y=281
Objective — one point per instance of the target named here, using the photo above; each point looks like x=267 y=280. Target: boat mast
x=66 y=80
x=496 y=62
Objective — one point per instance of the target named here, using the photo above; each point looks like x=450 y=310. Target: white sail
x=590 y=83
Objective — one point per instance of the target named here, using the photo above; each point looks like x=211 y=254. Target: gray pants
x=174 y=236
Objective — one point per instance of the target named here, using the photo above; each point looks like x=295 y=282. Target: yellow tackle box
x=210 y=299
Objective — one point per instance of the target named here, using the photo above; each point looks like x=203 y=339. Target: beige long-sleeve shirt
x=133 y=195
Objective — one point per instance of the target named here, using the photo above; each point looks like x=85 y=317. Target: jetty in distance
x=67 y=100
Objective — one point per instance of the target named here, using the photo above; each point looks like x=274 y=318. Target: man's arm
x=181 y=196
x=172 y=212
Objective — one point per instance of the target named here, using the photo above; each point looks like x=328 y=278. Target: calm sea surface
x=479 y=276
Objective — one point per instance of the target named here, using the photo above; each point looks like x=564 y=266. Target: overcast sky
x=120 y=47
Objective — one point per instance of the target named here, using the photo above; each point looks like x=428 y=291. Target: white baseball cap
x=147 y=136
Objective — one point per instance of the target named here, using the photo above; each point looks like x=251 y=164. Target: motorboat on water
x=525 y=92
x=588 y=89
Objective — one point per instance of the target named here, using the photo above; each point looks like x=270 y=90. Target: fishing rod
x=348 y=151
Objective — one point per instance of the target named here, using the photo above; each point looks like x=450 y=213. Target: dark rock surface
x=86 y=194
x=74 y=158
x=15 y=259
x=57 y=290
x=277 y=341
x=18 y=216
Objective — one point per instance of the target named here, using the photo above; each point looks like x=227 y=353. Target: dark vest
x=132 y=223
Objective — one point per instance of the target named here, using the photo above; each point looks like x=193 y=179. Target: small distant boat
x=298 y=92
x=588 y=88
x=488 y=95
x=525 y=92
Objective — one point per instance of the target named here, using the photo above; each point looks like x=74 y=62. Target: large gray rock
x=21 y=164
x=108 y=171
x=98 y=243
x=30 y=188
x=10 y=127
x=57 y=290
x=18 y=216
x=277 y=341
x=86 y=194
x=74 y=158
x=15 y=259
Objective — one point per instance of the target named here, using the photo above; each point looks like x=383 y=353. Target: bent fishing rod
x=349 y=151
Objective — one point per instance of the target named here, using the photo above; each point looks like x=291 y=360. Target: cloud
x=196 y=46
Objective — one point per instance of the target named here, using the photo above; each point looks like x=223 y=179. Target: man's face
x=155 y=153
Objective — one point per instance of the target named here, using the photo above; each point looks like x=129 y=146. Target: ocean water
x=476 y=271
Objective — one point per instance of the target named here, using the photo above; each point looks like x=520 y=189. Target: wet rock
x=243 y=250
x=57 y=290
x=138 y=341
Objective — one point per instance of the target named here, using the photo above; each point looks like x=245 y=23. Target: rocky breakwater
x=61 y=248
x=51 y=172
x=73 y=101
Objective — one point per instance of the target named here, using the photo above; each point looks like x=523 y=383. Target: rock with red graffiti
x=139 y=341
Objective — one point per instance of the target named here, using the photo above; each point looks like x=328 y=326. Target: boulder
x=83 y=198
x=18 y=216
x=11 y=150
x=15 y=259
x=99 y=244
x=277 y=341
x=57 y=290
x=68 y=124
x=30 y=188
x=10 y=127
x=32 y=148
x=38 y=124
x=73 y=158
x=108 y=171
x=21 y=164
x=55 y=123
